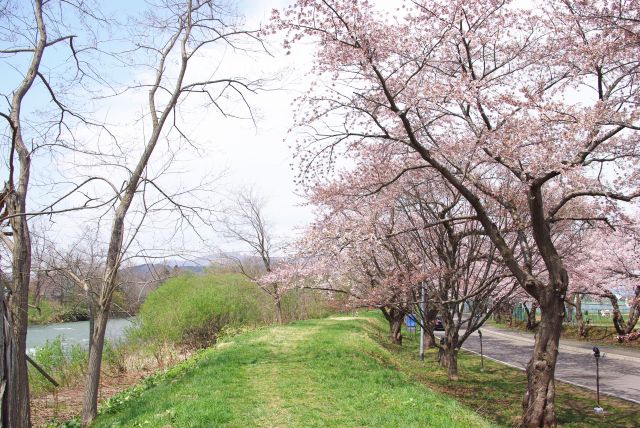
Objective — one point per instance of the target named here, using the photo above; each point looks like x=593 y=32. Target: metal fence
x=596 y=313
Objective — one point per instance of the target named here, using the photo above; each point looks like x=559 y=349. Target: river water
x=74 y=332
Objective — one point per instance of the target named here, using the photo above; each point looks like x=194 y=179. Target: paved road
x=619 y=370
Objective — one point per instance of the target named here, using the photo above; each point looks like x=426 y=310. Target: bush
x=191 y=310
x=65 y=366
x=50 y=311
x=306 y=304
x=45 y=312
x=73 y=315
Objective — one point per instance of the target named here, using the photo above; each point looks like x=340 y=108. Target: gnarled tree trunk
x=623 y=327
x=538 y=403
x=532 y=322
x=395 y=317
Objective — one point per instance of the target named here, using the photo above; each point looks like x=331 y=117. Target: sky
x=229 y=153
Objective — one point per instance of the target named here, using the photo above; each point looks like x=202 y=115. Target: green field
x=330 y=372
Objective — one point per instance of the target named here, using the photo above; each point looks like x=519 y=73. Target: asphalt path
x=619 y=370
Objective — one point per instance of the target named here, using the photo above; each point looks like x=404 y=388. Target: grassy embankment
x=184 y=314
x=330 y=372
x=340 y=372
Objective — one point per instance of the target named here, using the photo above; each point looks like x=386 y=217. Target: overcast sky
x=237 y=153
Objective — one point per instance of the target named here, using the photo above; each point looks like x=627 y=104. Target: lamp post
x=481 y=354
x=597 y=355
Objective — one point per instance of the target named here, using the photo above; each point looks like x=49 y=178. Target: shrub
x=73 y=314
x=66 y=366
x=45 y=312
x=191 y=310
x=305 y=304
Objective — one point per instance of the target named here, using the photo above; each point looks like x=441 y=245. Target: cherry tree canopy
x=529 y=109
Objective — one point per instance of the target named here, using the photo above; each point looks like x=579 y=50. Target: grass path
x=318 y=373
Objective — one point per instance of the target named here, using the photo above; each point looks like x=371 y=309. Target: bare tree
x=177 y=32
x=245 y=222
x=26 y=33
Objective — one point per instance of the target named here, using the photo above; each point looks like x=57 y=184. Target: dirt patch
x=66 y=403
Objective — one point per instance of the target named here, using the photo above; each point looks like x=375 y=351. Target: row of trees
x=69 y=63
x=411 y=247
x=477 y=149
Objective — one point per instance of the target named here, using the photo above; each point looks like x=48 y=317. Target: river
x=73 y=332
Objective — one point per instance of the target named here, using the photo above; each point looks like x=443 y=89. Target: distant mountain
x=155 y=270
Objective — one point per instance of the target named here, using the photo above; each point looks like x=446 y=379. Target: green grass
x=340 y=372
x=331 y=372
x=496 y=393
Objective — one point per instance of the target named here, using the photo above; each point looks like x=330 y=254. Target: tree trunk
x=618 y=319
x=582 y=331
x=449 y=356
x=395 y=317
x=622 y=327
x=568 y=313
x=504 y=314
x=92 y=319
x=634 y=310
x=395 y=330
x=452 y=363
x=430 y=326
x=10 y=414
x=17 y=388
x=90 y=403
x=278 y=304
x=538 y=403
x=532 y=322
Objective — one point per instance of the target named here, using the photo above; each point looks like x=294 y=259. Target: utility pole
x=423 y=310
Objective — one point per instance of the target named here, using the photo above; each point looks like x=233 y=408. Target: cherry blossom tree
x=399 y=240
x=608 y=266
x=465 y=278
x=346 y=250
x=531 y=110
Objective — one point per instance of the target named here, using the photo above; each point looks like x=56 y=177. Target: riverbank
x=123 y=367
x=185 y=314
x=66 y=403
